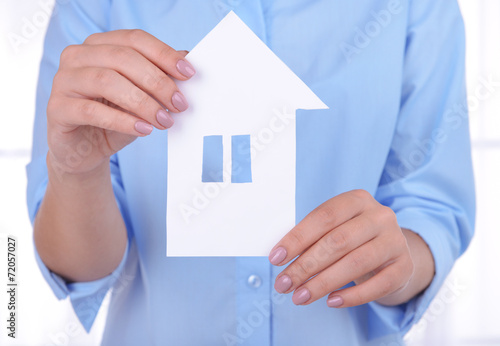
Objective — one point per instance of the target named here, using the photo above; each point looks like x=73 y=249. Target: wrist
x=59 y=174
x=423 y=273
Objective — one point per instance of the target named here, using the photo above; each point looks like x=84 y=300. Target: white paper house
x=241 y=120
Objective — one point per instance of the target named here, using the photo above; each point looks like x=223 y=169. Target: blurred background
x=465 y=312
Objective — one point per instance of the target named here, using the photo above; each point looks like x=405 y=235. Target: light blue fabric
x=392 y=73
x=241 y=162
x=212 y=159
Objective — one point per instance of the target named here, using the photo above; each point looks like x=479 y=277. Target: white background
x=464 y=313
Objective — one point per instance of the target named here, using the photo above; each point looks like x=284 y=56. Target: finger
x=162 y=55
x=355 y=264
x=95 y=82
x=326 y=251
x=317 y=223
x=131 y=64
x=390 y=280
x=80 y=111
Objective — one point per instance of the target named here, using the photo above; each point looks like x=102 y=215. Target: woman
x=384 y=194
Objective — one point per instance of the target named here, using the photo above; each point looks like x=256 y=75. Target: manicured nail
x=185 y=68
x=143 y=128
x=164 y=118
x=283 y=283
x=301 y=296
x=335 y=301
x=277 y=256
x=179 y=101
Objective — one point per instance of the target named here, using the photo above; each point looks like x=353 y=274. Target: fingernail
x=277 y=256
x=301 y=296
x=143 y=128
x=335 y=301
x=164 y=118
x=179 y=101
x=283 y=283
x=185 y=68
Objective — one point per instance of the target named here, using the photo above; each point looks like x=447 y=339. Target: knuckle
x=297 y=238
x=158 y=82
x=142 y=101
x=165 y=54
x=362 y=195
x=92 y=38
x=304 y=267
x=102 y=77
x=323 y=284
x=324 y=213
x=386 y=215
x=121 y=54
x=69 y=53
x=337 y=241
x=52 y=106
x=135 y=35
x=58 y=79
x=105 y=123
x=299 y=270
x=88 y=109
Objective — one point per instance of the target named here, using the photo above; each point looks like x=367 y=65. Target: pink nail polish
x=301 y=296
x=164 y=118
x=143 y=128
x=283 y=284
x=277 y=256
x=185 y=68
x=335 y=301
x=179 y=101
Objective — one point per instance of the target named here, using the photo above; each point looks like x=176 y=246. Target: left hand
x=351 y=237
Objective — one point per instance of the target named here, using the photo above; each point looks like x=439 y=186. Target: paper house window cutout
x=213 y=163
x=212 y=159
x=241 y=162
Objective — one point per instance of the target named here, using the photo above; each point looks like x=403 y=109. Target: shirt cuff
x=86 y=297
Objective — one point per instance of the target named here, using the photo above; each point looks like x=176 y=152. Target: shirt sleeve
x=428 y=179
x=71 y=23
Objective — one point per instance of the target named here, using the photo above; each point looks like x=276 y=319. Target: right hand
x=107 y=92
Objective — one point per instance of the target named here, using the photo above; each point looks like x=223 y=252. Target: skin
x=114 y=85
x=78 y=221
x=352 y=237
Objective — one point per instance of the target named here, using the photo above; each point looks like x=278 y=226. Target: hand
x=108 y=91
x=349 y=238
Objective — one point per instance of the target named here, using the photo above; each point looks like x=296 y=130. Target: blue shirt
x=392 y=73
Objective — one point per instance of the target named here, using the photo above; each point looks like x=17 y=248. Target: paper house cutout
x=241 y=119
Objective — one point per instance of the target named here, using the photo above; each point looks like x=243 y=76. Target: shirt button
x=254 y=281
